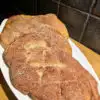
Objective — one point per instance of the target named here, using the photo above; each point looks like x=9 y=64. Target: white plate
x=76 y=53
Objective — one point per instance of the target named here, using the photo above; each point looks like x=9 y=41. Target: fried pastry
x=41 y=67
x=19 y=25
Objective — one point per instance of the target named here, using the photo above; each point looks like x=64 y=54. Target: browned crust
x=12 y=28
x=57 y=83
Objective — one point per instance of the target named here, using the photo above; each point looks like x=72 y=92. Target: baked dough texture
x=39 y=57
x=41 y=67
x=19 y=25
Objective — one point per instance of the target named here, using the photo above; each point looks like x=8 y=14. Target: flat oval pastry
x=40 y=66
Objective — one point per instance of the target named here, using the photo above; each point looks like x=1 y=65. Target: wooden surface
x=2 y=94
x=92 y=57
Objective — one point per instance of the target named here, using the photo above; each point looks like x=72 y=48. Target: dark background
x=82 y=17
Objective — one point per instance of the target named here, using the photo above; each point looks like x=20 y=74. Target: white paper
x=76 y=53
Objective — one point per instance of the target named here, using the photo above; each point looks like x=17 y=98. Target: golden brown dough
x=22 y=24
x=40 y=66
x=38 y=55
x=52 y=20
